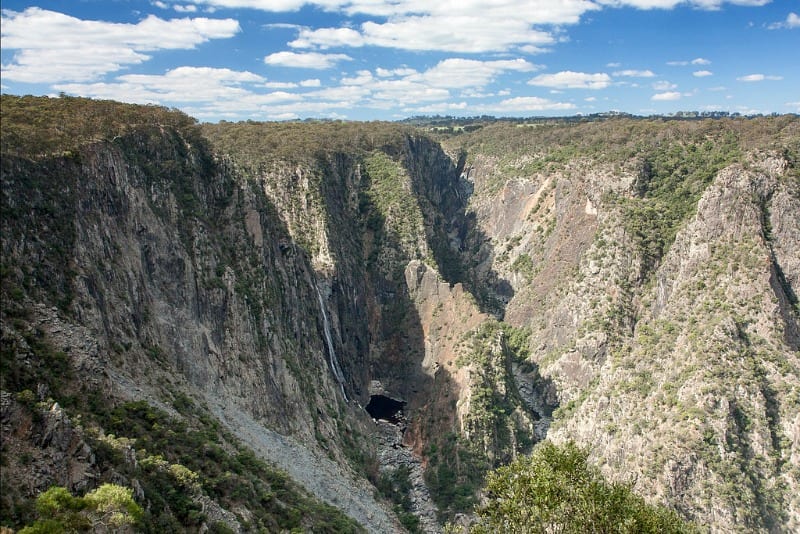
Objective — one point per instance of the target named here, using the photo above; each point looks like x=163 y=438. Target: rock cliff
x=661 y=302
x=246 y=290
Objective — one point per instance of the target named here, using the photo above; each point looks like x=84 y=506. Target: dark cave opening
x=386 y=408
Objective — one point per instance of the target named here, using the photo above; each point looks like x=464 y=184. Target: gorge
x=339 y=327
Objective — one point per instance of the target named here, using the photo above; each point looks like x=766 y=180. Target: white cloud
x=758 y=78
x=386 y=73
x=613 y=65
x=307 y=60
x=444 y=107
x=664 y=86
x=208 y=93
x=467 y=26
x=280 y=85
x=472 y=93
x=53 y=47
x=188 y=8
x=695 y=61
x=478 y=32
x=531 y=49
x=702 y=73
x=590 y=99
x=263 y=5
x=670 y=95
x=224 y=93
x=792 y=21
x=328 y=37
x=669 y=4
x=461 y=73
x=635 y=73
x=525 y=104
x=179 y=85
x=572 y=80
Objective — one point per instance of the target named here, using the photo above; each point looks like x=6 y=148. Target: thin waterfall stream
x=326 y=327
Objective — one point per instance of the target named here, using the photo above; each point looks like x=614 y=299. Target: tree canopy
x=555 y=490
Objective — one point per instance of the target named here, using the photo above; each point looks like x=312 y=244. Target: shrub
x=555 y=490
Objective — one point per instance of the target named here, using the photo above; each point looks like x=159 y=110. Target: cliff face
x=675 y=359
x=259 y=285
x=274 y=290
x=187 y=282
x=711 y=365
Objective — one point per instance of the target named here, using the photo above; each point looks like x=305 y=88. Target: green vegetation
x=395 y=217
x=395 y=486
x=178 y=460
x=258 y=145
x=496 y=426
x=454 y=474
x=524 y=265
x=110 y=507
x=494 y=394
x=672 y=179
x=556 y=490
x=39 y=126
x=198 y=459
x=547 y=146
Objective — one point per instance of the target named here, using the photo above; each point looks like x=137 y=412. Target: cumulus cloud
x=325 y=38
x=444 y=107
x=669 y=95
x=525 y=104
x=480 y=32
x=468 y=27
x=635 y=73
x=402 y=71
x=307 y=60
x=669 y=4
x=280 y=85
x=53 y=47
x=792 y=21
x=695 y=61
x=182 y=84
x=572 y=80
x=204 y=93
x=702 y=73
x=758 y=78
x=664 y=86
x=225 y=93
x=461 y=73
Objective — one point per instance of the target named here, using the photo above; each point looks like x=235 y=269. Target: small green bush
x=556 y=490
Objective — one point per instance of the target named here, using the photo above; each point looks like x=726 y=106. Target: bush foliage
x=556 y=490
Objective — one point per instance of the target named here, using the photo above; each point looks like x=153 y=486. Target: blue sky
x=390 y=59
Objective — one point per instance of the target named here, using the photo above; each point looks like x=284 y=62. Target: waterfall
x=326 y=327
